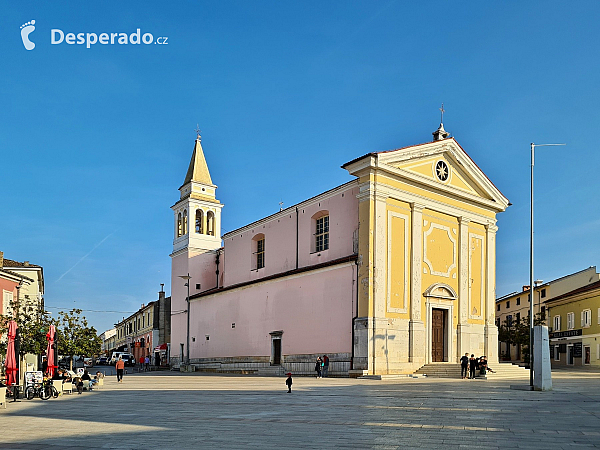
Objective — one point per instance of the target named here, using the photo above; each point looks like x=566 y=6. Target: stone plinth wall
x=298 y=365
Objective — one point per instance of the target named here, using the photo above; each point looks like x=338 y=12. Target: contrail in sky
x=84 y=256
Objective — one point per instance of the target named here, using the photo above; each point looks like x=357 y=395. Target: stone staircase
x=507 y=370
x=440 y=370
x=502 y=371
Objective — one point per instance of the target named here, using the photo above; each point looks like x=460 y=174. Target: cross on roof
x=442 y=110
x=197 y=130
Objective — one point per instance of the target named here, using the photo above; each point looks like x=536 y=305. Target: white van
x=128 y=358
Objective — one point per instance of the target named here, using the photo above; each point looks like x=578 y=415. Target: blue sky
x=95 y=142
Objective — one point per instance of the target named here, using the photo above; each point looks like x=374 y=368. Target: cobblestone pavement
x=178 y=411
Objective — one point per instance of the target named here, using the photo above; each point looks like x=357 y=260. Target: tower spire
x=198 y=169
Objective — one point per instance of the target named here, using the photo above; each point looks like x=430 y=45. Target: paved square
x=172 y=410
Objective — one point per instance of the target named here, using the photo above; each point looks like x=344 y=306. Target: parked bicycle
x=43 y=390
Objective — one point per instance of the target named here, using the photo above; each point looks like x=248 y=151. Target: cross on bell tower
x=440 y=133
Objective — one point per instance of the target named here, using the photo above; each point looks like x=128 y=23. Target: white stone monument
x=542 y=374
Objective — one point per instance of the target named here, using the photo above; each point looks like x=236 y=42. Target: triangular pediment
x=443 y=165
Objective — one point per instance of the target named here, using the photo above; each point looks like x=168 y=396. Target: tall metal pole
x=531 y=299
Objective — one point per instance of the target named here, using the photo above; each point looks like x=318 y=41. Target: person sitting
x=482 y=366
x=97 y=377
x=488 y=368
x=87 y=380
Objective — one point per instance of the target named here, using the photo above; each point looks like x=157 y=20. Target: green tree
x=33 y=322
x=75 y=336
x=516 y=332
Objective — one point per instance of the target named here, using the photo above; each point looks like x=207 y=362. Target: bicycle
x=44 y=391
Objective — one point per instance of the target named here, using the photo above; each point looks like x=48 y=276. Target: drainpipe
x=296 y=237
x=217 y=262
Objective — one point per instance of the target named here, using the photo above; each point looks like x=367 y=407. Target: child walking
x=288 y=382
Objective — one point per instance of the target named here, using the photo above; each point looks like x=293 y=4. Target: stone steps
x=507 y=370
x=440 y=370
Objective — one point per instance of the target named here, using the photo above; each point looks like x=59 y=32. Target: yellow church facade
x=426 y=258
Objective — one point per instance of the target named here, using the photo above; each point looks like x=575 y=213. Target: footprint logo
x=26 y=30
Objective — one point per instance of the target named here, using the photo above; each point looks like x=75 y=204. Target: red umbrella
x=50 y=350
x=11 y=361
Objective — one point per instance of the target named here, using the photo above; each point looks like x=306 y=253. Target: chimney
x=1 y=260
x=26 y=263
x=525 y=288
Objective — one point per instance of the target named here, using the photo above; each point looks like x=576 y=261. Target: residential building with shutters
x=147 y=328
x=574 y=320
x=515 y=305
x=388 y=272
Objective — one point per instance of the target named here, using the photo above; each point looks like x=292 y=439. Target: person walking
x=318 y=366
x=141 y=363
x=147 y=363
x=288 y=382
x=325 y=365
x=120 y=366
x=464 y=366
x=472 y=366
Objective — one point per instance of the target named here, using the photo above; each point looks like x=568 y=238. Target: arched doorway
x=440 y=299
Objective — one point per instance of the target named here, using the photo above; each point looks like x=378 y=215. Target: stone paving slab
x=179 y=411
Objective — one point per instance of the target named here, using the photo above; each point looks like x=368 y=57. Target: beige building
x=108 y=341
x=31 y=289
x=514 y=306
x=575 y=327
x=147 y=328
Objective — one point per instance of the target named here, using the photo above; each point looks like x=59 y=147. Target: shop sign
x=577 y=350
x=569 y=333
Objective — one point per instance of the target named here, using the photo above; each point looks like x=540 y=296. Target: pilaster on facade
x=490 y=291
x=463 y=274
x=379 y=255
x=416 y=327
x=416 y=261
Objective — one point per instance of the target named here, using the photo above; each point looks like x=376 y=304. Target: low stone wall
x=299 y=365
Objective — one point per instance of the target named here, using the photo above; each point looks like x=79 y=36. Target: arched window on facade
x=185 y=221
x=320 y=223
x=258 y=251
x=179 y=225
x=199 y=221
x=210 y=223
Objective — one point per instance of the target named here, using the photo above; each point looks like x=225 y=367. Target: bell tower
x=197 y=214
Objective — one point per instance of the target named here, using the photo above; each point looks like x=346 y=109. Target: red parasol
x=50 y=350
x=11 y=361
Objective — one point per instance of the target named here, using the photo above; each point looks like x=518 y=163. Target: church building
x=386 y=273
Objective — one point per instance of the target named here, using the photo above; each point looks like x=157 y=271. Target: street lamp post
x=531 y=281
x=187 y=338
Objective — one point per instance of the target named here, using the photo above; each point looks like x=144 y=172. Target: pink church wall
x=314 y=311
x=280 y=237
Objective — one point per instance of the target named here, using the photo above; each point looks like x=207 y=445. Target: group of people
x=322 y=366
x=144 y=363
x=81 y=382
x=469 y=367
